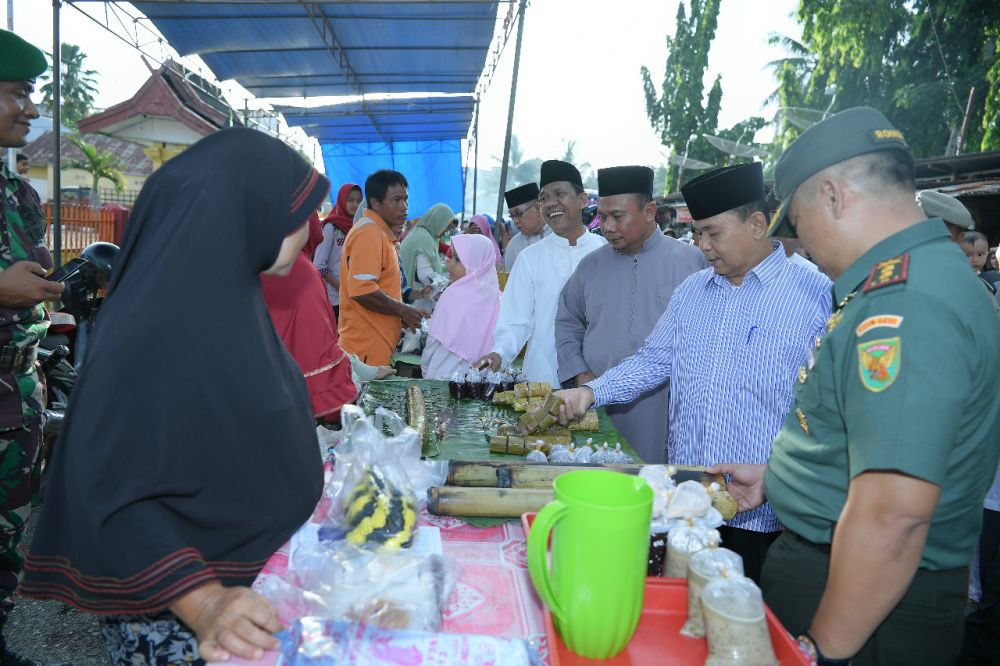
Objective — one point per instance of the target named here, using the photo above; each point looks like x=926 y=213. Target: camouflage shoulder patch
x=890 y=271
x=878 y=363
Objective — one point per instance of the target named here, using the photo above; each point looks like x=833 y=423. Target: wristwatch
x=809 y=647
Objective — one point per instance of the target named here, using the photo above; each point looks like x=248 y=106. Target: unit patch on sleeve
x=890 y=271
x=878 y=363
x=878 y=321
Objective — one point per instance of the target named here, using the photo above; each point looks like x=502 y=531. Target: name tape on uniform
x=878 y=321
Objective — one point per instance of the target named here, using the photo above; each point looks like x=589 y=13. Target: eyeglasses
x=517 y=213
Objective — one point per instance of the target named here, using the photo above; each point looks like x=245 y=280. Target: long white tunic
x=530 y=299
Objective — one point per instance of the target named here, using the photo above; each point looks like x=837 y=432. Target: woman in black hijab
x=189 y=453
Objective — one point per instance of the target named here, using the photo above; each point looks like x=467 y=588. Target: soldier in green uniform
x=24 y=261
x=880 y=470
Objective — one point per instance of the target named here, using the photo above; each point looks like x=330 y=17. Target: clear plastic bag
x=373 y=497
x=682 y=543
x=735 y=623
x=391 y=589
x=313 y=641
x=703 y=566
x=690 y=499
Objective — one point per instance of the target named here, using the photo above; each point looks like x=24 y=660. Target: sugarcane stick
x=483 y=473
x=541 y=476
x=485 y=502
x=473 y=473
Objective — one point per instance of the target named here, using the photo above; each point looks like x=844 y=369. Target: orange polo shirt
x=368 y=263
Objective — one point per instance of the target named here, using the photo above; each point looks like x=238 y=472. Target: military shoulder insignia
x=890 y=271
x=878 y=363
x=878 y=321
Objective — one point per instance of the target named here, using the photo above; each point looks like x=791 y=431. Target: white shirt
x=438 y=363
x=530 y=299
x=518 y=243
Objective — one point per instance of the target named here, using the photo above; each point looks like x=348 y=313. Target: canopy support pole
x=475 y=164
x=510 y=111
x=11 y=152
x=57 y=137
x=465 y=171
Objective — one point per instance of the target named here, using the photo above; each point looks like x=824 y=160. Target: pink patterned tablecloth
x=493 y=595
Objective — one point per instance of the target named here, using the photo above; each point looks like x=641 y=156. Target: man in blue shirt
x=731 y=342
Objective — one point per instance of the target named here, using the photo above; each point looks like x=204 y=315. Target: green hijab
x=422 y=239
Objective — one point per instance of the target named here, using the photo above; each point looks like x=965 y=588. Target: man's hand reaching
x=23 y=285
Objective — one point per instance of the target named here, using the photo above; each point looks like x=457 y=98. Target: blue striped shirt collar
x=765 y=272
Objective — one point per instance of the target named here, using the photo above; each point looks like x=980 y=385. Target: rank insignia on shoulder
x=890 y=271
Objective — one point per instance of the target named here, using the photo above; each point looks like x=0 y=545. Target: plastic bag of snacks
x=703 y=566
x=690 y=499
x=373 y=499
x=682 y=543
x=314 y=641
x=659 y=479
x=735 y=624
x=396 y=589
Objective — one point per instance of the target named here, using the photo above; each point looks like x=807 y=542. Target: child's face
x=455 y=268
x=976 y=252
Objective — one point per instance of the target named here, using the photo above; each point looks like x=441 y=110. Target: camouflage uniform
x=22 y=388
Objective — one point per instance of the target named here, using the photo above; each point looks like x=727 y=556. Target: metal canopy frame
x=352 y=68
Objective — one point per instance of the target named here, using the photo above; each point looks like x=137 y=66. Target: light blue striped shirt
x=732 y=356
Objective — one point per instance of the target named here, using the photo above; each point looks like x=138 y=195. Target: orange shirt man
x=372 y=313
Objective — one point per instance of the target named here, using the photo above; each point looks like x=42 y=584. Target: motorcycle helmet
x=84 y=276
x=100 y=258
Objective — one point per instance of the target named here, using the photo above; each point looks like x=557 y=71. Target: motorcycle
x=61 y=353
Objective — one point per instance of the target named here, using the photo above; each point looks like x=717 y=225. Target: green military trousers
x=19 y=451
x=925 y=628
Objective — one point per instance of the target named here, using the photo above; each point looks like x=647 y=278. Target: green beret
x=851 y=133
x=19 y=60
x=948 y=208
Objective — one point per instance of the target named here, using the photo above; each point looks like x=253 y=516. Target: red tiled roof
x=134 y=160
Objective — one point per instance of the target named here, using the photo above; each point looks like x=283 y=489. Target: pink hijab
x=467 y=311
x=484 y=226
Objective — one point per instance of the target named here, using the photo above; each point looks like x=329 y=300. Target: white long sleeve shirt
x=530 y=299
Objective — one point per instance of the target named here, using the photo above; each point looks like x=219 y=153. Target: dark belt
x=19 y=360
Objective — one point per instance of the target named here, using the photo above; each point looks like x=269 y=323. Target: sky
x=578 y=80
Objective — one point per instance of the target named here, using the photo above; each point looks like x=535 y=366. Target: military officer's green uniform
x=905 y=381
x=22 y=391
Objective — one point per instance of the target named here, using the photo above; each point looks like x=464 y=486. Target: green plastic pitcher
x=599 y=523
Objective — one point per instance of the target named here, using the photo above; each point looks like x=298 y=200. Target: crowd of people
x=863 y=474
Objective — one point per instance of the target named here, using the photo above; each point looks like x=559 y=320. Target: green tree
x=77 y=86
x=99 y=165
x=915 y=60
x=680 y=113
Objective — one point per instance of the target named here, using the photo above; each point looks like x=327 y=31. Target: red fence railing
x=81 y=226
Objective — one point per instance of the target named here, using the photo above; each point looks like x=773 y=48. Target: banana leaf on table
x=460 y=429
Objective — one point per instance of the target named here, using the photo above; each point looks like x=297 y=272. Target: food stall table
x=493 y=594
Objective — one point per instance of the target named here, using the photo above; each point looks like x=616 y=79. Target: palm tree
x=98 y=165
x=77 y=86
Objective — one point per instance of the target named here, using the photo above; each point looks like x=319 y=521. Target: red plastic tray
x=657 y=640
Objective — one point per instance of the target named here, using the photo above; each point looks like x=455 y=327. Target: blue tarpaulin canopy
x=310 y=49
x=385 y=120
